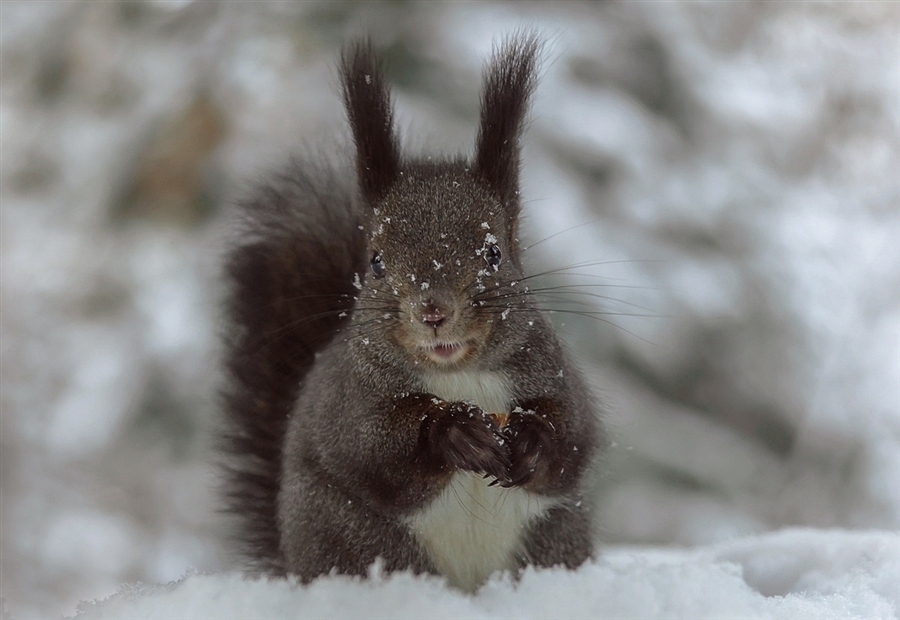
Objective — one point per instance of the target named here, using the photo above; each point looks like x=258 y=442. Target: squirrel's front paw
x=532 y=449
x=467 y=438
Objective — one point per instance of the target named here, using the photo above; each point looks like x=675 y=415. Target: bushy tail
x=291 y=278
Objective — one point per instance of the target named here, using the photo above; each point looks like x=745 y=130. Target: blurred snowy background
x=734 y=167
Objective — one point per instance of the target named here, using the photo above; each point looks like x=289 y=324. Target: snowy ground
x=792 y=574
x=734 y=167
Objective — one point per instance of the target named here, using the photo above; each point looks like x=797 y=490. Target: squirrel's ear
x=509 y=82
x=367 y=100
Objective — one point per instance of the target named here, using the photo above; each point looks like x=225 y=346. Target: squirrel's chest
x=489 y=390
x=471 y=529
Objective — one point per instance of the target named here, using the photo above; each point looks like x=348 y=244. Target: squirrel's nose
x=432 y=314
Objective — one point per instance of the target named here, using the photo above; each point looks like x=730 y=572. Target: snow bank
x=789 y=574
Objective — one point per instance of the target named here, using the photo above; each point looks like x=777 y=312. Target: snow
x=719 y=179
x=790 y=574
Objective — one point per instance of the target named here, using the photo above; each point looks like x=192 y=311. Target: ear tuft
x=509 y=82
x=367 y=100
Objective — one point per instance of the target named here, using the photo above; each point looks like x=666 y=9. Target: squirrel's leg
x=563 y=536
x=330 y=531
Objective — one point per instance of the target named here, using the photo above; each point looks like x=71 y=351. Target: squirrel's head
x=444 y=257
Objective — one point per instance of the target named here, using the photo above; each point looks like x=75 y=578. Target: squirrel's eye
x=377 y=266
x=492 y=256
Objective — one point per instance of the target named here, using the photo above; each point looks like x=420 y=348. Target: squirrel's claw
x=531 y=450
x=470 y=442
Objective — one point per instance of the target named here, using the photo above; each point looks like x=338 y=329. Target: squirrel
x=395 y=392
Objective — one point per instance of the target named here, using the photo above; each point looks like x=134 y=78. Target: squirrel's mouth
x=446 y=352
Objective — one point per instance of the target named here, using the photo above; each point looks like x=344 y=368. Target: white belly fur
x=471 y=529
